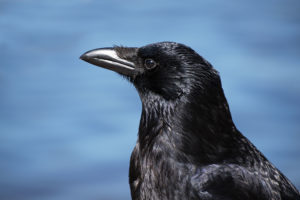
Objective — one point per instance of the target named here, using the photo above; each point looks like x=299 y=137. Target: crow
x=188 y=146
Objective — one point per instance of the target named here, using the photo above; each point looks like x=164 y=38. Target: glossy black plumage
x=188 y=146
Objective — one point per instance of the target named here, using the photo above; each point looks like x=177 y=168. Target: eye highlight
x=150 y=63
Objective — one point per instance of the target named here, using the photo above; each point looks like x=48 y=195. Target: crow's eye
x=150 y=63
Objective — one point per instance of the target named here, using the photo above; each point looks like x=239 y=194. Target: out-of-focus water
x=67 y=128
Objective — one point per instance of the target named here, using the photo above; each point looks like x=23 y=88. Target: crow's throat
x=190 y=129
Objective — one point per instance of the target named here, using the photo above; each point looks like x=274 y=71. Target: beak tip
x=83 y=57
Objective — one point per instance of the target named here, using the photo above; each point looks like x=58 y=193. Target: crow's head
x=166 y=69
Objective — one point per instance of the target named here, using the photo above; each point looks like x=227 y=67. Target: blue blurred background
x=59 y=139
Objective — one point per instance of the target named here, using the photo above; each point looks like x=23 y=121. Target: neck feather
x=198 y=130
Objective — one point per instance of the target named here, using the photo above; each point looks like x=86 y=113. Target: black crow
x=188 y=146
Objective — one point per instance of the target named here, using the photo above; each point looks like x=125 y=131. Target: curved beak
x=109 y=59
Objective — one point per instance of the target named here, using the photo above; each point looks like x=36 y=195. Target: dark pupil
x=150 y=63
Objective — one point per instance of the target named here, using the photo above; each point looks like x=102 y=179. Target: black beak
x=109 y=59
